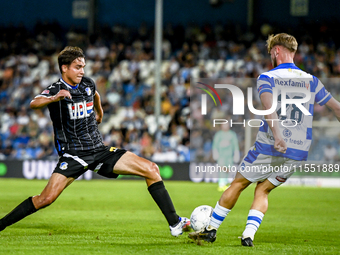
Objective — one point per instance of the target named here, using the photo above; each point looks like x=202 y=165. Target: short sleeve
x=322 y=95
x=264 y=84
x=49 y=91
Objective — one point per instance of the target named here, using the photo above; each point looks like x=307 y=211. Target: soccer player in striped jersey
x=280 y=145
x=75 y=110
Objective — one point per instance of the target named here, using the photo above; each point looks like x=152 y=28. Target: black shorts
x=101 y=161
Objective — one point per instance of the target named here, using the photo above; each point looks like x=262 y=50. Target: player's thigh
x=56 y=184
x=68 y=168
x=131 y=164
x=240 y=181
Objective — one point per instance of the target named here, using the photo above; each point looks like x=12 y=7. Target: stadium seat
x=195 y=72
x=219 y=65
x=239 y=63
x=229 y=65
x=210 y=66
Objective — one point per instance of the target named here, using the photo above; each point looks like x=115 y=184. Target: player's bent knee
x=153 y=171
x=42 y=202
x=154 y=168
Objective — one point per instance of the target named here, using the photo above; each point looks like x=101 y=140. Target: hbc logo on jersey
x=80 y=110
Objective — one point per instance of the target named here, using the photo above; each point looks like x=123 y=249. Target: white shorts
x=259 y=167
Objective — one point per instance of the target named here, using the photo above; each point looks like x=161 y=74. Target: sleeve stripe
x=42 y=96
x=328 y=94
x=267 y=79
x=264 y=77
x=266 y=90
x=314 y=84
x=265 y=86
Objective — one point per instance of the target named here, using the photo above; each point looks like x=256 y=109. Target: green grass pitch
x=120 y=217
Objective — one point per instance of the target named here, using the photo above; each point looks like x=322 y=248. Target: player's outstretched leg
x=256 y=212
x=131 y=164
x=55 y=186
x=21 y=211
x=221 y=210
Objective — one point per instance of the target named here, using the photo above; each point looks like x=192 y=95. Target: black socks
x=157 y=191
x=163 y=200
x=21 y=211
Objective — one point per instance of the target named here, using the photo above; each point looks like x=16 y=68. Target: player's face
x=73 y=73
x=273 y=56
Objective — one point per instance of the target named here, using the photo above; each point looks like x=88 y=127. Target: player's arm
x=334 y=105
x=267 y=101
x=41 y=101
x=98 y=107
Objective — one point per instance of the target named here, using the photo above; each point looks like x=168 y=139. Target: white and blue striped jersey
x=299 y=137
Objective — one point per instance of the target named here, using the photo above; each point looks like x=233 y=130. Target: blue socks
x=218 y=216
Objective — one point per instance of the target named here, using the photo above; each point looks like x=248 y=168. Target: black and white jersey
x=74 y=122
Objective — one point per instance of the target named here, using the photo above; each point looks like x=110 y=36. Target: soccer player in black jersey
x=75 y=110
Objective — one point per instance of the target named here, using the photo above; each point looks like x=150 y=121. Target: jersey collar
x=285 y=66
x=68 y=85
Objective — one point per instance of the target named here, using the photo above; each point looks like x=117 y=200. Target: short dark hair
x=68 y=55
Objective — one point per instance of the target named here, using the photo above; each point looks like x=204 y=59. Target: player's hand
x=99 y=119
x=62 y=94
x=280 y=145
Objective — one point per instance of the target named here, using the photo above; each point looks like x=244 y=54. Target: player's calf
x=162 y=198
x=21 y=211
x=2 y=226
x=41 y=201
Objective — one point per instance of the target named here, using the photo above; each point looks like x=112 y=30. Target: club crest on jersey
x=287 y=133
x=80 y=110
x=63 y=166
x=88 y=91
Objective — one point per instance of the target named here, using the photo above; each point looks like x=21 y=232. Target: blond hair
x=285 y=40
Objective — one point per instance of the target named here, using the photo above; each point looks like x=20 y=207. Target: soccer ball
x=200 y=217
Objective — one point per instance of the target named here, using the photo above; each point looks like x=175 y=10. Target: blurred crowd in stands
x=121 y=62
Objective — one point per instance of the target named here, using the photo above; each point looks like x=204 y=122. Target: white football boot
x=182 y=225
